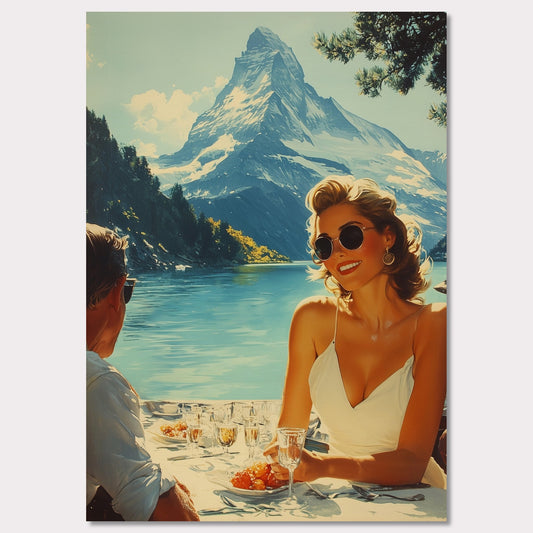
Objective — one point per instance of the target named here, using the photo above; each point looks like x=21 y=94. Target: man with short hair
x=118 y=464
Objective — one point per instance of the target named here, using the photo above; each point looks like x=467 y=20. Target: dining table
x=207 y=469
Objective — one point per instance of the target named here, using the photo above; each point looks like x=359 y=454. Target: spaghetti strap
x=419 y=312
x=415 y=329
x=336 y=317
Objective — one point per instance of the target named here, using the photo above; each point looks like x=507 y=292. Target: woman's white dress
x=374 y=424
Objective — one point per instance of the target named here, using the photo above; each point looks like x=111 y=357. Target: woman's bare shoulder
x=316 y=304
x=313 y=322
x=433 y=315
x=314 y=309
x=431 y=327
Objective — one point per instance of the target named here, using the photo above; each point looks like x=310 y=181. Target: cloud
x=168 y=120
x=91 y=60
x=164 y=119
x=144 y=149
x=211 y=92
x=90 y=56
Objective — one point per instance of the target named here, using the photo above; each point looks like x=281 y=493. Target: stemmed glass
x=209 y=423
x=251 y=435
x=290 y=445
x=194 y=429
x=226 y=434
x=194 y=432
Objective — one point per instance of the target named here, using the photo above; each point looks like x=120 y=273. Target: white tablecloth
x=201 y=474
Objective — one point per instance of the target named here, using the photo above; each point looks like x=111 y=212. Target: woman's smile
x=347 y=267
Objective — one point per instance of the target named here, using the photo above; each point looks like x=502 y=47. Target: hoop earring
x=388 y=257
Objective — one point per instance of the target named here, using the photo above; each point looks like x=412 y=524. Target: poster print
x=205 y=132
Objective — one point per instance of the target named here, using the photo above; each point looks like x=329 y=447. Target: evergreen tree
x=407 y=44
x=228 y=246
x=206 y=241
x=123 y=193
x=184 y=211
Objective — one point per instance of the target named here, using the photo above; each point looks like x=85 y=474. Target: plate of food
x=170 y=432
x=254 y=480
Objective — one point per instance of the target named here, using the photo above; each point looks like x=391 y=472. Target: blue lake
x=216 y=334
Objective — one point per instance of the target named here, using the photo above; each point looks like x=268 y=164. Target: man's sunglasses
x=350 y=237
x=128 y=288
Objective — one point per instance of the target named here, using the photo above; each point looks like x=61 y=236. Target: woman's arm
x=296 y=403
x=408 y=462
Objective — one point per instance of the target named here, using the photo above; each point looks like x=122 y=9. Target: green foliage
x=408 y=44
x=438 y=113
x=122 y=192
x=256 y=254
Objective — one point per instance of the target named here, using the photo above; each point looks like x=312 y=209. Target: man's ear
x=116 y=291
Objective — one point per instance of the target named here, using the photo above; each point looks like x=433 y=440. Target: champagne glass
x=290 y=444
x=226 y=434
x=251 y=435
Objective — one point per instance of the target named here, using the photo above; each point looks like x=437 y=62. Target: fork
x=371 y=496
x=319 y=493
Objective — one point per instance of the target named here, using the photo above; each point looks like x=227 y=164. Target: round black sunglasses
x=351 y=237
x=128 y=289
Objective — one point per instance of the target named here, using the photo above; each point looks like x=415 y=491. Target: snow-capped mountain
x=269 y=137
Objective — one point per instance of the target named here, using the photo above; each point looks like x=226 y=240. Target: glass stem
x=291 y=475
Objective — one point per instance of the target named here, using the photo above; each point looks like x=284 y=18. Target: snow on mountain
x=269 y=137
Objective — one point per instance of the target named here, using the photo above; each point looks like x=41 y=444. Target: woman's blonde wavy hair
x=407 y=273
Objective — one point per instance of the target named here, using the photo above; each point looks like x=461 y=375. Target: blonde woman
x=370 y=358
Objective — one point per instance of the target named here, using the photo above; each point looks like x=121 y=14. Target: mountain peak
x=270 y=137
x=263 y=43
x=264 y=39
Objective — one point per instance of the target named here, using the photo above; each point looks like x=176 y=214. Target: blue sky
x=152 y=73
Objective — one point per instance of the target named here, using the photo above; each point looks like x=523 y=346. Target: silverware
x=319 y=493
x=189 y=456
x=341 y=493
x=370 y=496
x=221 y=510
x=246 y=507
x=385 y=488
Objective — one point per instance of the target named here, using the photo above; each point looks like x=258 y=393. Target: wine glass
x=226 y=434
x=290 y=444
x=251 y=435
x=194 y=430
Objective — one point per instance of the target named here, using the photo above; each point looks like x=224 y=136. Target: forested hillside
x=165 y=232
